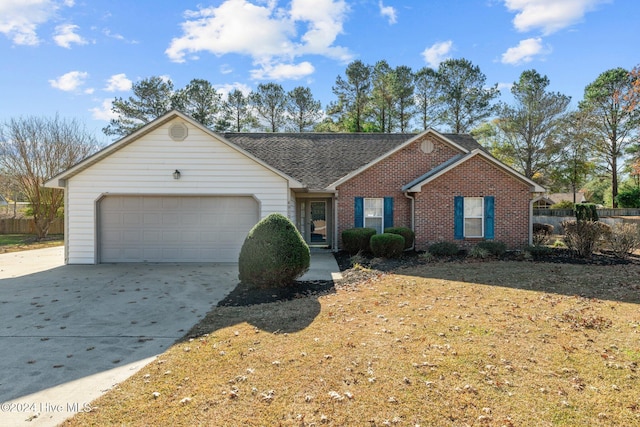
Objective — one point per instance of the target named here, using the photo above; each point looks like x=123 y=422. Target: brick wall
x=386 y=179
x=434 y=205
x=475 y=178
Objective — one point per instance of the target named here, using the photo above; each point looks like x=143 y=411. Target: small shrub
x=479 y=253
x=563 y=204
x=405 y=232
x=355 y=240
x=387 y=245
x=273 y=254
x=541 y=233
x=624 y=239
x=444 y=249
x=426 y=256
x=493 y=247
x=586 y=212
x=357 y=259
x=559 y=244
x=582 y=237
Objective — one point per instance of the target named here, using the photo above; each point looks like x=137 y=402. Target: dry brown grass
x=26 y=242
x=444 y=344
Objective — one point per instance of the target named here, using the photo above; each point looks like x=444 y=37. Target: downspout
x=531 y=202
x=413 y=217
x=334 y=244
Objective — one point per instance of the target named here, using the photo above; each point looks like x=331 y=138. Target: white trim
x=536 y=188
x=358 y=171
x=364 y=210
x=59 y=180
x=464 y=217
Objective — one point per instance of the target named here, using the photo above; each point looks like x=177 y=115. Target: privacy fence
x=555 y=217
x=27 y=226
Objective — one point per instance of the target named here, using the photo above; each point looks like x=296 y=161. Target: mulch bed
x=372 y=268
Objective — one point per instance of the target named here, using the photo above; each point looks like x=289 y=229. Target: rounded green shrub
x=405 y=232
x=387 y=245
x=444 y=249
x=493 y=247
x=273 y=254
x=355 y=240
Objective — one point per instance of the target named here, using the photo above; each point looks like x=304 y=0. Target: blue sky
x=73 y=57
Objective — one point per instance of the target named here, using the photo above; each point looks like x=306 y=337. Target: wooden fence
x=602 y=213
x=27 y=226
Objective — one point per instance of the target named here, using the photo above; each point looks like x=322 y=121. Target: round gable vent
x=178 y=131
x=427 y=146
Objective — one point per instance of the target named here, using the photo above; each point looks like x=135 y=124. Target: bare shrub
x=541 y=233
x=583 y=237
x=624 y=239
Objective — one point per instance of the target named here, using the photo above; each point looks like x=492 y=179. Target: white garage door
x=174 y=228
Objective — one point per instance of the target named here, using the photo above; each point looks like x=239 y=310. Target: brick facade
x=434 y=214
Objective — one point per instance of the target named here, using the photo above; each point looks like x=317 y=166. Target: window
x=473 y=217
x=374 y=213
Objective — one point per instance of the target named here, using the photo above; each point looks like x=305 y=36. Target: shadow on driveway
x=69 y=322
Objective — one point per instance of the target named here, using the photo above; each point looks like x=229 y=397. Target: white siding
x=145 y=166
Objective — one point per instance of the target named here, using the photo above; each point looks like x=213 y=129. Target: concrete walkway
x=323 y=267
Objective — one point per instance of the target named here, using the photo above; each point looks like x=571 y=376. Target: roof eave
x=59 y=181
x=334 y=185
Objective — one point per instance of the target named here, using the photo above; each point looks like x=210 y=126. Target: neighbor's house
x=176 y=191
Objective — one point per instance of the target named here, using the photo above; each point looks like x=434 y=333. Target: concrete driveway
x=70 y=332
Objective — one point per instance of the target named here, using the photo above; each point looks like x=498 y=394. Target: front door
x=318 y=222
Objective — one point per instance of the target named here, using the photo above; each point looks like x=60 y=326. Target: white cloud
x=65 y=35
x=19 y=19
x=524 y=52
x=228 y=87
x=226 y=69
x=437 y=53
x=389 y=12
x=118 y=83
x=549 y=15
x=506 y=86
x=70 y=81
x=283 y=71
x=103 y=112
x=265 y=32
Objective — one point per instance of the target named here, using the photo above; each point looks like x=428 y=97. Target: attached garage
x=150 y=228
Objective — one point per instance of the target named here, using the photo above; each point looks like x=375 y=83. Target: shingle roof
x=319 y=159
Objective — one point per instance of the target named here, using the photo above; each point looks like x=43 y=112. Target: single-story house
x=175 y=191
x=552 y=198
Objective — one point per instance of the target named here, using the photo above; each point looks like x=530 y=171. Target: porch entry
x=315 y=221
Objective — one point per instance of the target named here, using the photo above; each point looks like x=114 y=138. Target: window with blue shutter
x=358 y=212
x=489 y=202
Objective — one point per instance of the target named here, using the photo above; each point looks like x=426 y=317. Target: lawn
x=24 y=242
x=494 y=343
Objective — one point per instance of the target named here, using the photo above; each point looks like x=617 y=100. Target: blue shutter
x=388 y=212
x=458 y=217
x=489 y=202
x=358 y=212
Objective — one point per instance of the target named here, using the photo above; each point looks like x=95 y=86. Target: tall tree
x=304 y=111
x=270 y=102
x=614 y=116
x=405 y=102
x=34 y=149
x=353 y=94
x=382 y=95
x=530 y=127
x=426 y=97
x=237 y=116
x=463 y=94
x=575 y=163
x=200 y=100
x=152 y=97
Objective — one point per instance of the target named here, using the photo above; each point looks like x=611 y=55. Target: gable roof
x=416 y=185
x=322 y=161
x=59 y=180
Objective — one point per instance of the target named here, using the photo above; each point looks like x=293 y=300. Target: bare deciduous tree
x=34 y=149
